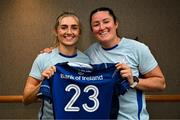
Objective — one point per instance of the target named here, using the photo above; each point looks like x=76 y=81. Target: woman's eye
x=63 y=28
x=95 y=25
x=74 y=28
x=106 y=21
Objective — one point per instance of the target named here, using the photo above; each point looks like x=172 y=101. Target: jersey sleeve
x=44 y=91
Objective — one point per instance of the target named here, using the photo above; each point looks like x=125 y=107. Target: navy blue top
x=83 y=93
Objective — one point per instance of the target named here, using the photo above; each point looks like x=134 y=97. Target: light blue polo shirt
x=138 y=56
x=46 y=60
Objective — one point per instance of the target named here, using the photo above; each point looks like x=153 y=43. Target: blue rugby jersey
x=79 y=92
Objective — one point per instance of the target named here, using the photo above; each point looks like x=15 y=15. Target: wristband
x=135 y=82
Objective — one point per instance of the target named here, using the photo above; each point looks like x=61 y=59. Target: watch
x=135 y=82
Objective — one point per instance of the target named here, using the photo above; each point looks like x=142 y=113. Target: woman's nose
x=101 y=26
x=69 y=31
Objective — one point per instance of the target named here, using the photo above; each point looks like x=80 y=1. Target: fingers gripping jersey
x=79 y=92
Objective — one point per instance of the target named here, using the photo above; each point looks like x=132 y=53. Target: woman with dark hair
x=133 y=58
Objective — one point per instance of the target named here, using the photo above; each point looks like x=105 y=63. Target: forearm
x=30 y=93
x=151 y=84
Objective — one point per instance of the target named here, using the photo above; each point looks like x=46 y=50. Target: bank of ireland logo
x=80 y=72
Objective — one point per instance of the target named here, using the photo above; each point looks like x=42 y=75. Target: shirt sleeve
x=147 y=61
x=37 y=68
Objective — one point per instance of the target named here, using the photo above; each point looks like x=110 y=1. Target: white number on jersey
x=69 y=106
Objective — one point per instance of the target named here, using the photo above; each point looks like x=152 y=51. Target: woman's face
x=68 y=31
x=103 y=26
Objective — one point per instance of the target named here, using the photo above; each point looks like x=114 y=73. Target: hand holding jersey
x=125 y=71
x=49 y=72
x=85 y=93
x=110 y=47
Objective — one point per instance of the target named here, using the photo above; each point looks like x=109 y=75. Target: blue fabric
x=103 y=81
x=140 y=103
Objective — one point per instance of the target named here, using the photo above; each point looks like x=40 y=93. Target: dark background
x=26 y=27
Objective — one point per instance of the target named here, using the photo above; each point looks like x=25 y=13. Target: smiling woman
x=67 y=32
x=139 y=61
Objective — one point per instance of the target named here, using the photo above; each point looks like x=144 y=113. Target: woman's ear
x=117 y=25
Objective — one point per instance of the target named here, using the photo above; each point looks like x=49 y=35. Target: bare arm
x=30 y=91
x=152 y=81
x=32 y=86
